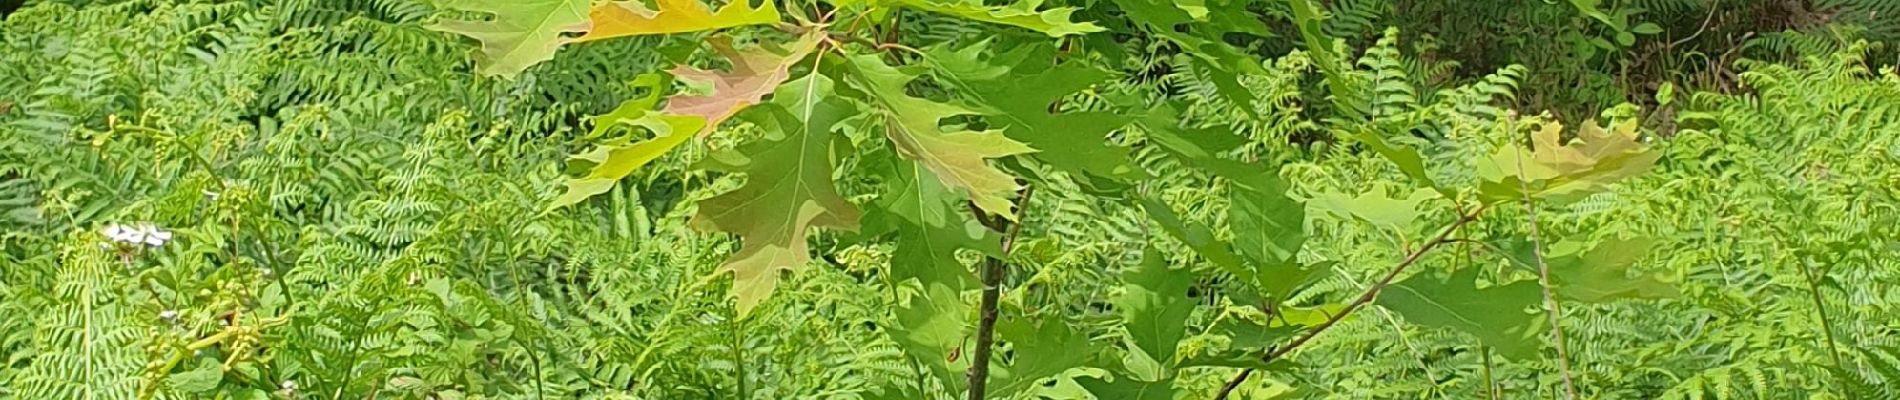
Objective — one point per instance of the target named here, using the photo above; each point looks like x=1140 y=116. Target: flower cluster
x=143 y=233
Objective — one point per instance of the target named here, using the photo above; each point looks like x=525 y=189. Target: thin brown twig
x=993 y=270
x=1371 y=293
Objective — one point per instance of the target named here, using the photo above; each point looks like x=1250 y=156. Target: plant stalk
x=1543 y=279
x=993 y=270
x=1371 y=293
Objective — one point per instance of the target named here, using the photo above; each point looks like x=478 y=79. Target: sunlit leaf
x=520 y=33
x=613 y=162
x=955 y=157
x=628 y=18
x=1599 y=274
x=1375 y=207
x=1021 y=13
x=1559 y=171
x=755 y=73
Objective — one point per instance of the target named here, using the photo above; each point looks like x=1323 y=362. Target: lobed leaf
x=788 y=190
x=614 y=162
x=521 y=33
x=1600 y=274
x=1561 y=172
x=630 y=18
x=1020 y=89
x=1498 y=315
x=755 y=73
x=1053 y=22
x=955 y=157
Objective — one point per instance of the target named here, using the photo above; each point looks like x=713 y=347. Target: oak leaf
x=957 y=158
x=788 y=190
x=1559 y=171
x=630 y=18
x=521 y=33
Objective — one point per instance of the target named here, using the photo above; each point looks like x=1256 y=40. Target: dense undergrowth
x=356 y=212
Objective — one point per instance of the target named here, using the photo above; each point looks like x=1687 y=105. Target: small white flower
x=122 y=234
x=168 y=314
x=290 y=385
x=144 y=233
x=211 y=196
x=266 y=272
x=153 y=236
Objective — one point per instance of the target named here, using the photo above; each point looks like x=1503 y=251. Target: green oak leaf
x=1374 y=206
x=956 y=158
x=1268 y=231
x=1042 y=348
x=1197 y=236
x=1053 y=22
x=1600 y=274
x=931 y=328
x=931 y=226
x=788 y=190
x=652 y=84
x=1498 y=316
x=1019 y=89
x=1121 y=387
x=520 y=34
x=1155 y=307
x=200 y=380
x=1268 y=226
x=1201 y=29
x=1200 y=148
x=755 y=73
x=1406 y=158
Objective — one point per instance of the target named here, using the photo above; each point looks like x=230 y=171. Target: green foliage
x=1117 y=200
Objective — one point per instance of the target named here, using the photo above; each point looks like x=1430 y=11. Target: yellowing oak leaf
x=956 y=158
x=521 y=33
x=1559 y=171
x=754 y=74
x=788 y=190
x=1053 y=22
x=630 y=18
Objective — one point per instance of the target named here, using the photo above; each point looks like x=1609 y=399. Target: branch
x=1371 y=293
x=993 y=269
